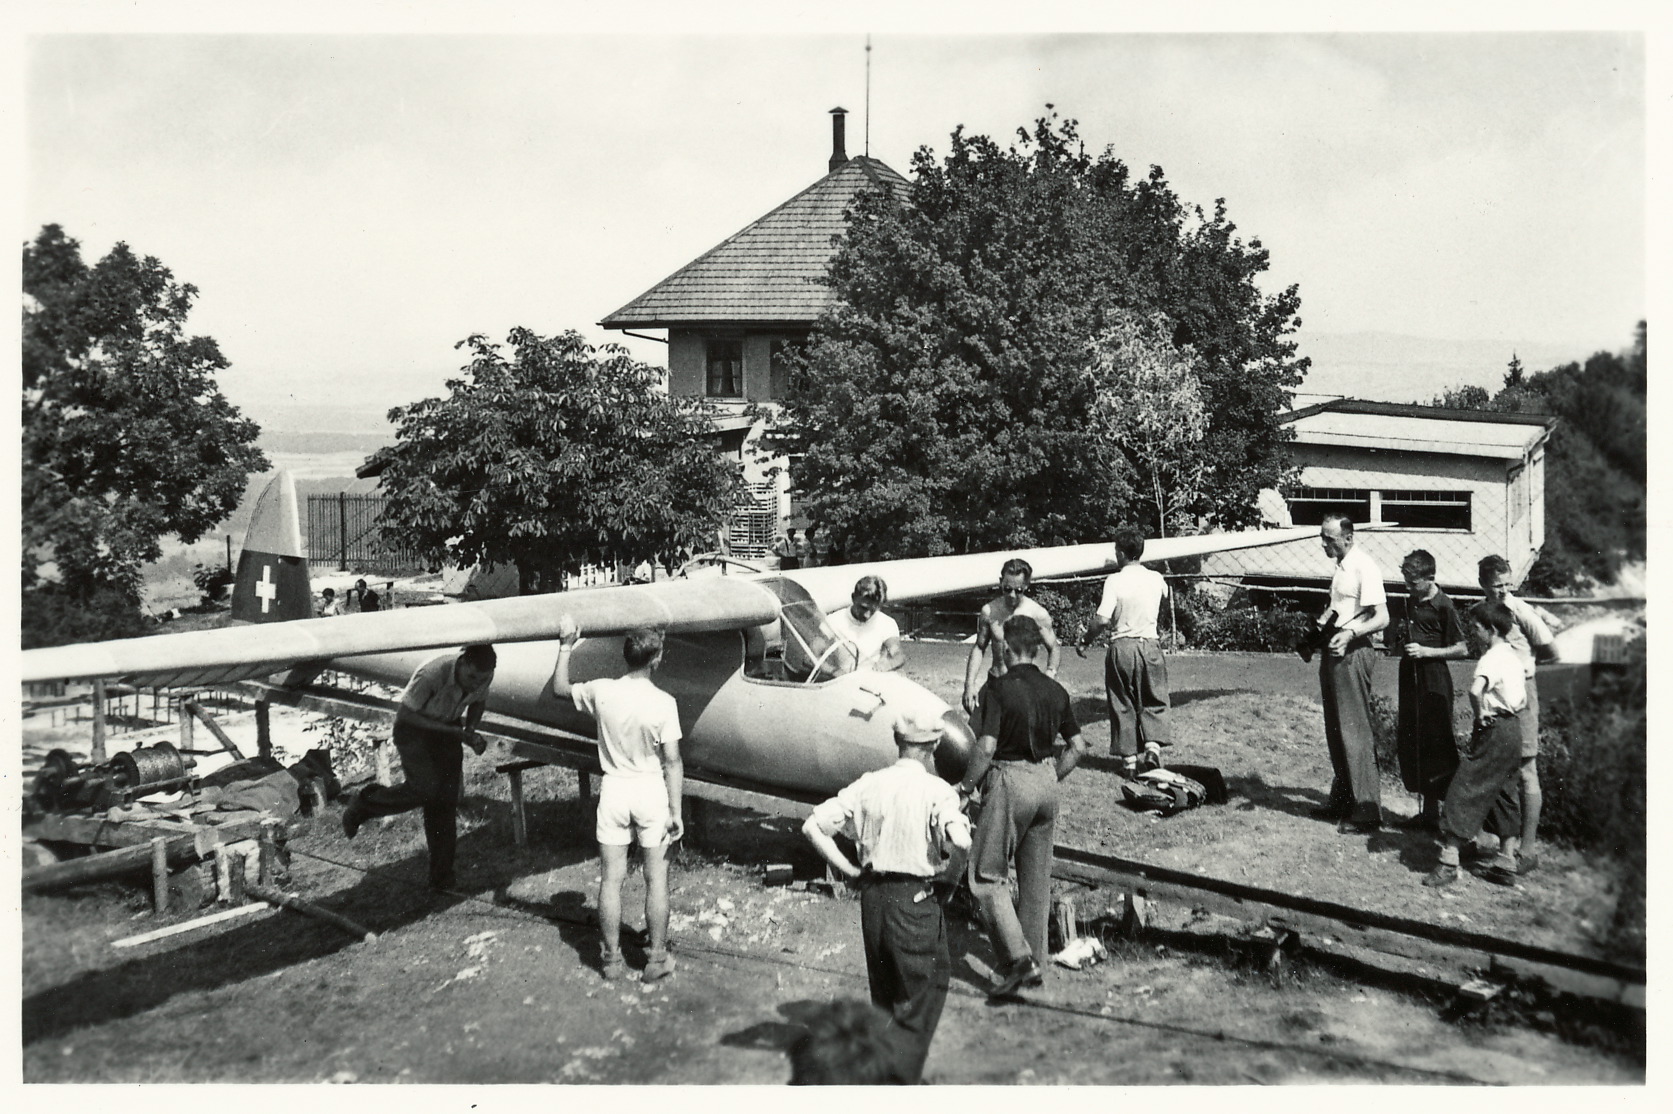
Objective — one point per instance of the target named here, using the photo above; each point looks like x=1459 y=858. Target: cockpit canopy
x=800 y=648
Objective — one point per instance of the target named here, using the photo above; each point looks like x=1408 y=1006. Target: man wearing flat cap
x=902 y=819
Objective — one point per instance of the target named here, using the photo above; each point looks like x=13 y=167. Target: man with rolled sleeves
x=901 y=818
x=1531 y=639
x=1359 y=609
x=1027 y=741
x=1135 y=672
x=439 y=713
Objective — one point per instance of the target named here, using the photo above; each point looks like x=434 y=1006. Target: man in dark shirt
x=1027 y=741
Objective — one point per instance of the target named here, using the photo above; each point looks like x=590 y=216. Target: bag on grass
x=1162 y=790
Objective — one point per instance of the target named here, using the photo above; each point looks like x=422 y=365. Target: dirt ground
x=499 y=983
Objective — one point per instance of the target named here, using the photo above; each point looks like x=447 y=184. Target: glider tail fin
x=272 y=583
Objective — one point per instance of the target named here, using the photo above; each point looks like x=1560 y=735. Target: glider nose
x=958 y=742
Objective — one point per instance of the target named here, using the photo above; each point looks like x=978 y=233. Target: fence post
x=343 y=531
x=98 y=753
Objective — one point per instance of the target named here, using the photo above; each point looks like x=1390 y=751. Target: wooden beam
x=208 y=720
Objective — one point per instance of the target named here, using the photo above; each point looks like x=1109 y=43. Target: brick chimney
x=839 y=152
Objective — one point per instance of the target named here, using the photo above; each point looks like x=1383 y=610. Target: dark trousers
x=1345 y=686
x=907 y=961
x=1136 y=689
x=433 y=765
x=1486 y=792
x=1427 y=747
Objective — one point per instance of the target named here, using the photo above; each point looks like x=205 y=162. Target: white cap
x=918 y=725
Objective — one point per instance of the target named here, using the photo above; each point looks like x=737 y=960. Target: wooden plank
x=196 y=922
x=97 y=831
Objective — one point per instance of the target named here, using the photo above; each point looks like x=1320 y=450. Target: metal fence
x=343 y=533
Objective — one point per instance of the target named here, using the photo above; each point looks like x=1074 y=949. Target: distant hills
x=1386 y=367
x=1391 y=367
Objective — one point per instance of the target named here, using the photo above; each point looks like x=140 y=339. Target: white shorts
x=626 y=803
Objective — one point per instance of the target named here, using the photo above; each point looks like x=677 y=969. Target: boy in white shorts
x=639 y=749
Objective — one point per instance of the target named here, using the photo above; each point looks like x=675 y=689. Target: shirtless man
x=1014 y=579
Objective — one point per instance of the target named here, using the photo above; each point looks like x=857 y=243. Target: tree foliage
x=1150 y=404
x=561 y=455
x=1596 y=467
x=946 y=402
x=126 y=436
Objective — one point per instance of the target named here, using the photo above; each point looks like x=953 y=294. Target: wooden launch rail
x=1321 y=921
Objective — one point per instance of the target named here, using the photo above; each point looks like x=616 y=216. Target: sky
x=350 y=206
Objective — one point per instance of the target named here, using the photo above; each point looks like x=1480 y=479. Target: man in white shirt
x=874 y=635
x=904 y=821
x=1359 y=608
x=1531 y=639
x=1135 y=673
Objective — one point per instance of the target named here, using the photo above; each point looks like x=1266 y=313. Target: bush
x=1592 y=775
x=1204 y=622
x=51 y=616
x=212 y=580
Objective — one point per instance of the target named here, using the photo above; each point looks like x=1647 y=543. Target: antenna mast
x=868 y=95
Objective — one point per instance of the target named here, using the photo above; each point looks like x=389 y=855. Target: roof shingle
x=768 y=271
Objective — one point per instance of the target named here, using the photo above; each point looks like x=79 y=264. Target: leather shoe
x=445 y=884
x=1328 y=812
x=1359 y=827
x=1527 y=864
x=1024 y=972
x=1443 y=875
x=354 y=815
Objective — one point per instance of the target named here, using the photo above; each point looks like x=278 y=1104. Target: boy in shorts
x=639 y=749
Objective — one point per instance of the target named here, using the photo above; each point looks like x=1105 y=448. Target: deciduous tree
x=562 y=454
x=1150 y=405
x=126 y=436
x=945 y=403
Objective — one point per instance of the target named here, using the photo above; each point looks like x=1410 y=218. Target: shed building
x=1459 y=483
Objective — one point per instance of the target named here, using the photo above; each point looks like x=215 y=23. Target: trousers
x=1019 y=813
x=907 y=961
x=1345 y=686
x=1136 y=689
x=433 y=768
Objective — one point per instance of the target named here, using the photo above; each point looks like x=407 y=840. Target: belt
x=925 y=885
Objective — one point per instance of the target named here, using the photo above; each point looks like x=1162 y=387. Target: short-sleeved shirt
x=434 y=690
x=1434 y=622
x=635 y=720
x=1132 y=600
x=898 y=816
x=1507 y=691
x=869 y=636
x=1356 y=585
x=1024 y=711
x=988 y=620
x=1530 y=631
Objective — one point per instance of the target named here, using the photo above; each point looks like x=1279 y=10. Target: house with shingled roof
x=733 y=313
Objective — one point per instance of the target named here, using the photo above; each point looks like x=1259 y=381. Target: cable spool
x=149 y=765
x=52 y=781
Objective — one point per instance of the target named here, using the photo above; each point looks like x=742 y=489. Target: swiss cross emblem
x=265 y=588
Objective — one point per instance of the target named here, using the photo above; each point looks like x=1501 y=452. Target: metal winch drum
x=61 y=784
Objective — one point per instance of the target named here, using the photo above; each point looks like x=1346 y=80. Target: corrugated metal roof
x=767 y=271
x=1411 y=432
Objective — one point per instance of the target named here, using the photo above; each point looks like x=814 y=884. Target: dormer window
x=725 y=377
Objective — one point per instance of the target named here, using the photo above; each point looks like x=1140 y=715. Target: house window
x=1309 y=505
x=725 y=368
x=1404 y=510
x=778 y=381
x=1427 y=510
